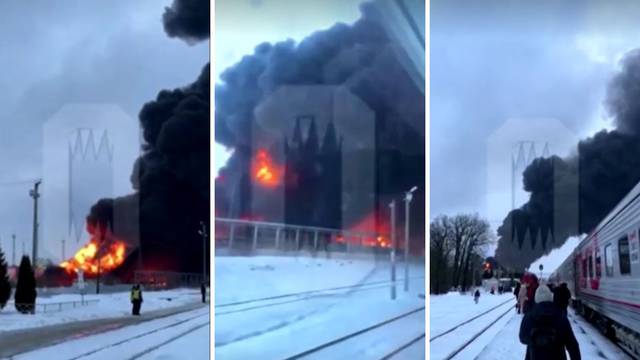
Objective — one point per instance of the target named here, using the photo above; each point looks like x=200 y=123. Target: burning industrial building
x=340 y=116
x=156 y=228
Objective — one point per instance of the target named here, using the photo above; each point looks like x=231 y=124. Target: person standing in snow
x=203 y=291
x=476 y=296
x=546 y=332
x=136 y=299
x=522 y=298
x=561 y=298
x=516 y=292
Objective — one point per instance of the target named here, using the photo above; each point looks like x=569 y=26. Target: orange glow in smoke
x=265 y=172
x=86 y=258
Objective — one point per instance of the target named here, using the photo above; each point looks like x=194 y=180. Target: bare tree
x=440 y=251
x=456 y=243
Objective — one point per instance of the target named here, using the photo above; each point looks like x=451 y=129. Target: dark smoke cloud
x=360 y=57
x=188 y=20
x=605 y=169
x=172 y=180
x=171 y=177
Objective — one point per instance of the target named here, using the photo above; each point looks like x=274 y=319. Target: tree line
x=457 y=250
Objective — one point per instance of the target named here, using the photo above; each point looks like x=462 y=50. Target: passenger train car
x=603 y=273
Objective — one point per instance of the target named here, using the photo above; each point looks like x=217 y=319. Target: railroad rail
x=354 y=334
x=89 y=353
x=302 y=293
x=468 y=321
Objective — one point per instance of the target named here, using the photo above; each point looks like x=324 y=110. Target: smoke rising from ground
x=171 y=176
x=360 y=57
x=606 y=167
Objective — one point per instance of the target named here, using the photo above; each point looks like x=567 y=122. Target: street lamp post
x=392 y=206
x=35 y=195
x=13 y=255
x=407 y=199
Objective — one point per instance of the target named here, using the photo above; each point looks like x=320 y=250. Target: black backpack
x=544 y=337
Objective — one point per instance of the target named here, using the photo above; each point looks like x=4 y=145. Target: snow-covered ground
x=262 y=276
x=453 y=308
x=501 y=340
x=109 y=305
x=181 y=336
x=277 y=329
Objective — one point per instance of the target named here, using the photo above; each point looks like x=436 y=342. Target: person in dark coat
x=203 y=291
x=546 y=332
x=561 y=297
x=136 y=299
x=476 y=296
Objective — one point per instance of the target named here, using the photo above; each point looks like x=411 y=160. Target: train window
x=598 y=264
x=623 y=253
x=584 y=267
x=591 y=266
x=608 y=260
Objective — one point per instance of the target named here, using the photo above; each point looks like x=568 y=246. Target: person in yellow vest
x=136 y=299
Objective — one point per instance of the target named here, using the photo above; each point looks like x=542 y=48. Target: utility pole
x=98 y=274
x=13 y=255
x=392 y=206
x=63 y=254
x=35 y=195
x=407 y=199
x=203 y=233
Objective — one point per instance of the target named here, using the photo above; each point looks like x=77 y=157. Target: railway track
x=197 y=321
x=468 y=321
x=302 y=293
x=477 y=334
x=235 y=307
x=343 y=340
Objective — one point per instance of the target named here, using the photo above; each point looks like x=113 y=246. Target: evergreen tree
x=25 y=297
x=5 y=286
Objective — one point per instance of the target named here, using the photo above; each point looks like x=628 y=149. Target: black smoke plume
x=188 y=20
x=160 y=221
x=605 y=169
x=361 y=57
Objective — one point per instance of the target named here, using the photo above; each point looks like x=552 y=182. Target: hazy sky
x=509 y=73
x=57 y=53
x=241 y=25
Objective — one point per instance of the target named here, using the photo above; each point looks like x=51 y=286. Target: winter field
x=500 y=341
x=108 y=306
x=270 y=307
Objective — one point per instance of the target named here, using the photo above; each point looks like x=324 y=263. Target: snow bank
x=243 y=278
x=554 y=259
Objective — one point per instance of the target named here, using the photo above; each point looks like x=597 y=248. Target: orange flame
x=86 y=258
x=265 y=172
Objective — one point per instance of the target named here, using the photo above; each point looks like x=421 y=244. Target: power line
x=18 y=182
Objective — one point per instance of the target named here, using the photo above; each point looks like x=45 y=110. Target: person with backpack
x=547 y=333
x=476 y=296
